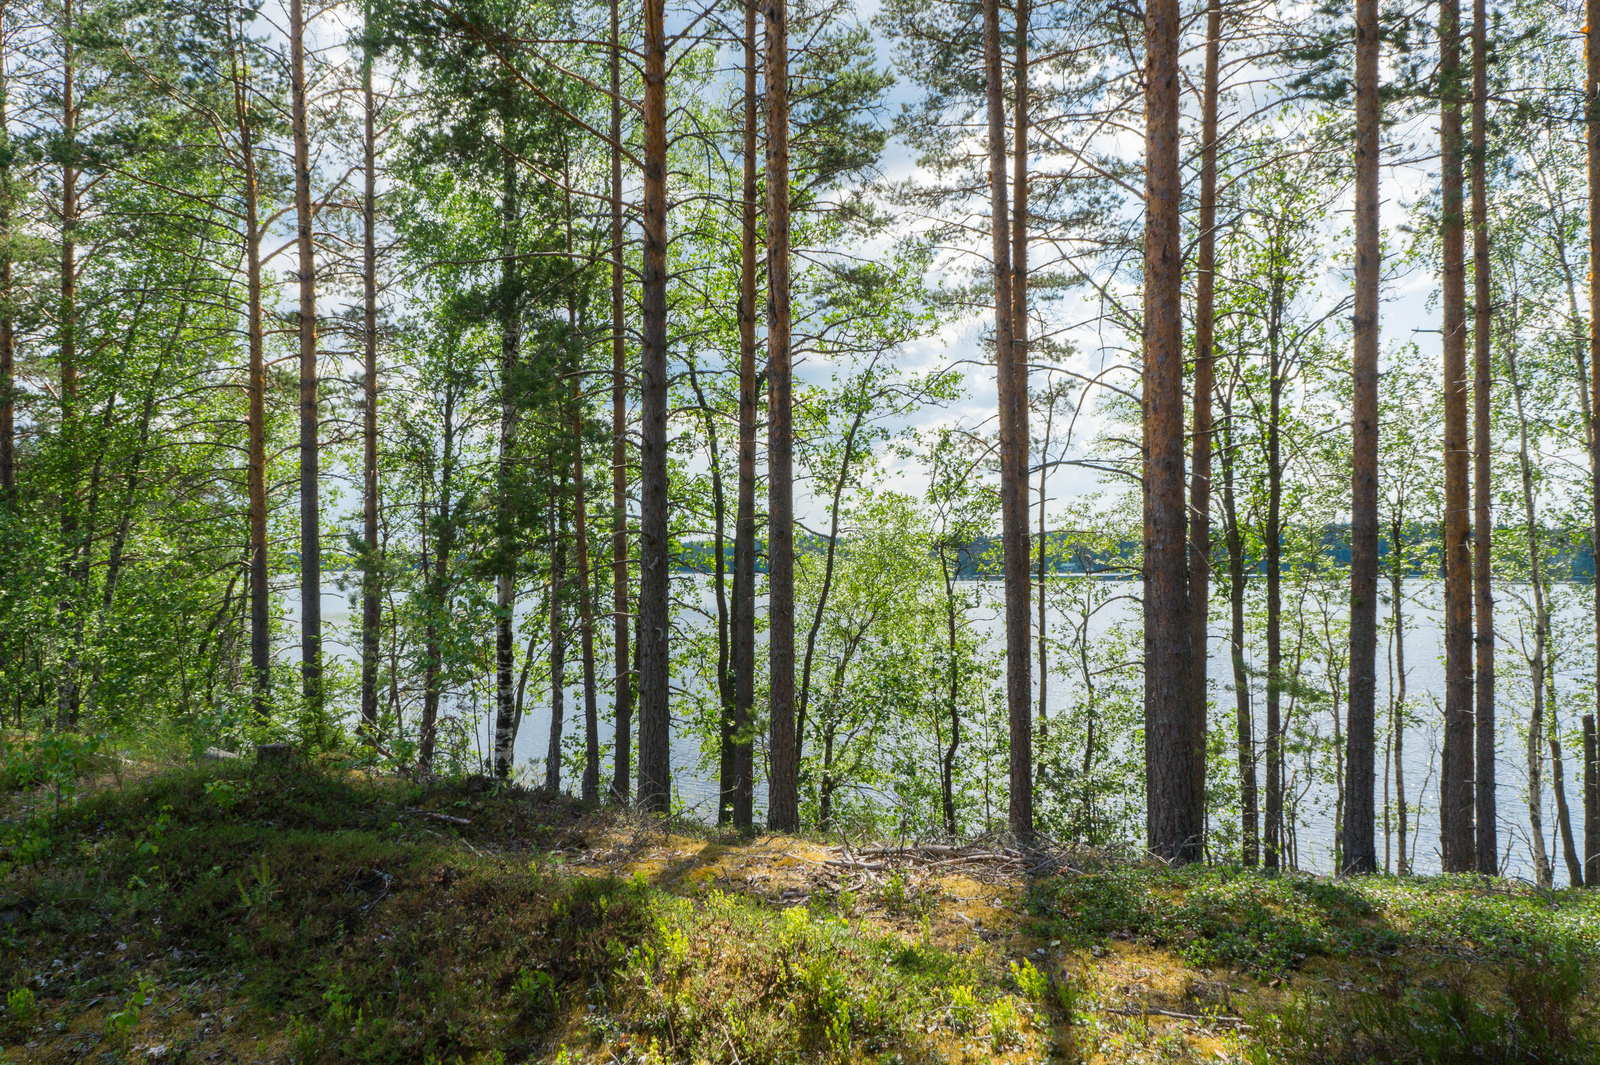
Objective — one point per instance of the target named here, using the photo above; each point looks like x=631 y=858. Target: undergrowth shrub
x=1453 y=1019
x=730 y=976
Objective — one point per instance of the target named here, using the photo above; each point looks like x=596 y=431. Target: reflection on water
x=1424 y=689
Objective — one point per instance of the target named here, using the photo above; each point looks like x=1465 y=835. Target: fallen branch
x=439 y=816
x=1156 y=1011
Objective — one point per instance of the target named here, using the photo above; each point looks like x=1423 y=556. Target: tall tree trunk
x=830 y=559
x=505 y=584
x=719 y=591
x=1011 y=368
x=655 y=758
x=437 y=593
x=580 y=521
x=1455 y=786
x=1558 y=778
x=947 y=762
x=8 y=339
x=622 y=702
x=1543 y=875
x=1591 y=94
x=1042 y=548
x=783 y=788
x=1360 y=848
x=260 y=624
x=558 y=640
x=310 y=505
x=1204 y=380
x=1591 y=805
x=1276 y=842
x=744 y=535
x=1541 y=627
x=371 y=572
x=1173 y=827
x=1482 y=525
x=67 y=695
x=1244 y=718
x=1397 y=725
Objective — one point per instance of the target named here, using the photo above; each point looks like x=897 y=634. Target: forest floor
x=223 y=913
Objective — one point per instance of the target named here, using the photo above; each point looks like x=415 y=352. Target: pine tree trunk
x=260 y=623
x=744 y=535
x=622 y=701
x=371 y=570
x=655 y=784
x=310 y=506
x=783 y=788
x=505 y=585
x=1204 y=375
x=1173 y=826
x=1482 y=522
x=1456 y=771
x=67 y=695
x=1011 y=368
x=1360 y=848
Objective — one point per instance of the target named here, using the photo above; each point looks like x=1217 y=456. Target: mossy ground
x=217 y=913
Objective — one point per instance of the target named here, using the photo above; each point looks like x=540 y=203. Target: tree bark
x=505 y=584
x=1011 y=368
x=1360 y=847
x=803 y=699
x=1204 y=380
x=1456 y=840
x=1397 y=725
x=622 y=702
x=719 y=591
x=438 y=594
x=558 y=641
x=371 y=572
x=1591 y=92
x=744 y=535
x=67 y=695
x=310 y=504
x=8 y=340
x=1275 y=843
x=1174 y=827
x=1244 y=717
x=1541 y=630
x=1591 y=805
x=655 y=759
x=1482 y=523
x=1558 y=780
x=260 y=624
x=580 y=520
x=783 y=788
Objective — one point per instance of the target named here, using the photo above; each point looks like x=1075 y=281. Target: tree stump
x=273 y=754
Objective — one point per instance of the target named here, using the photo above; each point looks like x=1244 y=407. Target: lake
x=1424 y=661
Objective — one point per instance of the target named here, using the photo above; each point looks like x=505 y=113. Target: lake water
x=1425 y=691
